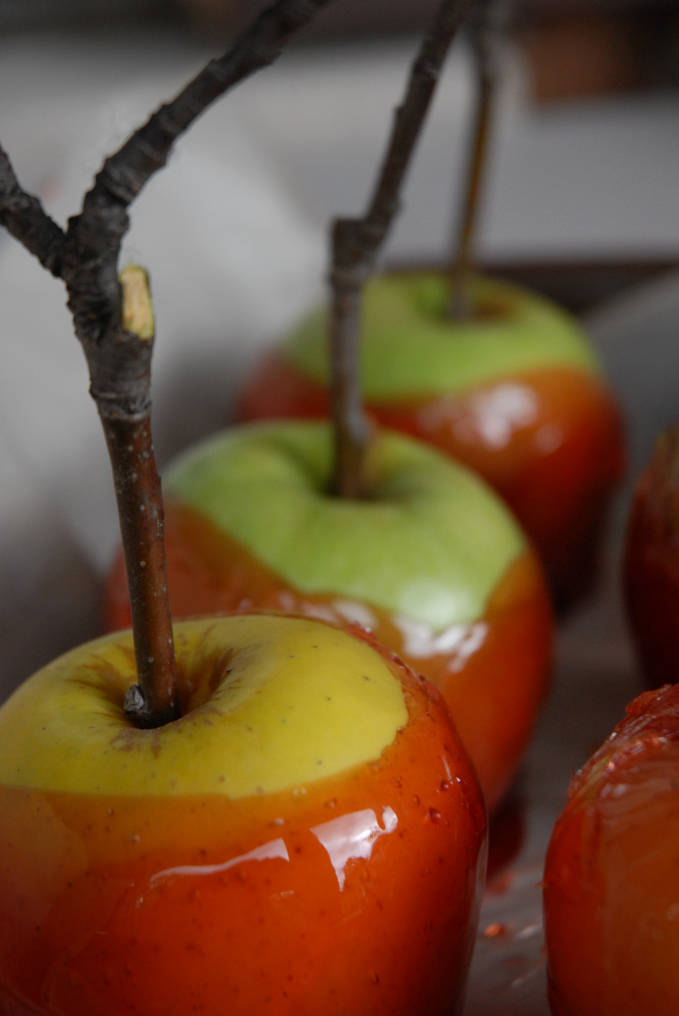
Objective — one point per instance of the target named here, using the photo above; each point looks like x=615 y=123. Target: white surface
x=225 y=273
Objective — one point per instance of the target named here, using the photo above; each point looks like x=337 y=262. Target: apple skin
x=651 y=564
x=309 y=837
x=515 y=393
x=611 y=881
x=432 y=564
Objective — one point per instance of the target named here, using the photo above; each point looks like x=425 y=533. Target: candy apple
x=514 y=392
x=651 y=563
x=431 y=562
x=309 y=836
x=611 y=885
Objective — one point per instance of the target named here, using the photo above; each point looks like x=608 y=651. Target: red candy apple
x=308 y=837
x=651 y=563
x=612 y=873
x=514 y=392
x=430 y=561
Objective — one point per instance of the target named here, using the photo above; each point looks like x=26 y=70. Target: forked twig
x=118 y=354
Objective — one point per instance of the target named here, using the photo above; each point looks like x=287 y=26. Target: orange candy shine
x=612 y=873
x=492 y=671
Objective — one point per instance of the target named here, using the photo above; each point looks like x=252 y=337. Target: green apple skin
x=430 y=561
x=406 y=345
x=308 y=837
x=514 y=392
x=429 y=541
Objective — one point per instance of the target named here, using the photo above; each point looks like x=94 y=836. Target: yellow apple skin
x=309 y=837
x=250 y=696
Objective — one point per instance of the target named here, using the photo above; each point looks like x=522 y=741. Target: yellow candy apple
x=308 y=837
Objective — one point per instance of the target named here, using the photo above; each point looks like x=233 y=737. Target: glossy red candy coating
x=355 y=894
x=550 y=441
x=611 y=885
x=492 y=672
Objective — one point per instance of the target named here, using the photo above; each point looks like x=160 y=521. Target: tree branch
x=140 y=512
x=23 y=216
x=94 y=236
x=118 y=349
x=356 y=242
x=486 y=27
x=124 y=174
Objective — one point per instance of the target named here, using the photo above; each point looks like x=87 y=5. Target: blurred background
x=581 y=201
x=574 y=47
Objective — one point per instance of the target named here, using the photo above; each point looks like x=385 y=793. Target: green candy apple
x=430 y=561
x=514 y=391
x=407 y=332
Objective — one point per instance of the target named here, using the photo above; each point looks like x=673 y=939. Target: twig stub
x=117 y=342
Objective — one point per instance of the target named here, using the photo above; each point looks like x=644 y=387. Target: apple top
x=411 y=347
x=429 y=545
x=641 y=750
x=269 y=703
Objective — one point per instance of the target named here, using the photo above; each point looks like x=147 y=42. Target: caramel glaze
x=492 y=671
x=357 y=893
x=550 y=441
x=611 y=884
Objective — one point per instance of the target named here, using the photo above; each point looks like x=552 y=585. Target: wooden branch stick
x=485 y=28
x=350 y=430
x=356 y=242
x=23 y=216
x=115 y=329
x=140 y=512
x=124 y=173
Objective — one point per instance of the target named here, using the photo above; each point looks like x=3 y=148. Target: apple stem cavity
x=485 y=29
x=114 y=323
x=355 y=244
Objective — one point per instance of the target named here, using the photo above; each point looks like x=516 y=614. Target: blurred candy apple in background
x=513 y=391
x=611 y=880
x=308 y=836
x=651 y=563
x=429 y=560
